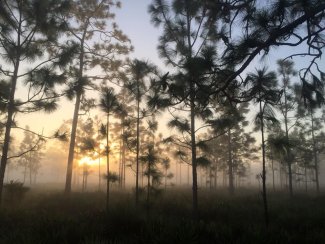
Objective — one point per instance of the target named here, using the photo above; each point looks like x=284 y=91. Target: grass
x=81 y=218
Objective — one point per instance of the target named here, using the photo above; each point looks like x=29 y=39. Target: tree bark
x=75 y=115
x=72 y=144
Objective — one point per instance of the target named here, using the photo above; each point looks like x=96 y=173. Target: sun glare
x=87 y=161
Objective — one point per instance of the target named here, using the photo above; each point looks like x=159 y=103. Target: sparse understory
x=81 y=218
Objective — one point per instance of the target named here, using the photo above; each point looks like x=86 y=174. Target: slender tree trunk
x=123 y=154
x=314 y=152
x=289 y=157
x=272 y=164
x=216 y=175
x=83 y=178
x=99 y=173
x=120 y=165
x=142 y=174
x=266 y=213
x=210 y=178
x=7 y=175
x=78 y=176
x=188 y=175
x=107 y=160
x=137 y=148
x=176 y=173
x=281 y=176
x=165 y=178
x=75 y=116
x=86 y=176
x=180 y=174
x=230 y=164
x=193 y=147
x=10 y=112
x=25 y=172
x=148 y=184
x=72 y=144
x=224 y=178
x=306 y=182
x=30 y=168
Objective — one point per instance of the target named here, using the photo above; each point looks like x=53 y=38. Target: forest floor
x=52 y=217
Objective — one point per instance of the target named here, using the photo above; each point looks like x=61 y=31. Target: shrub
x=15 y=191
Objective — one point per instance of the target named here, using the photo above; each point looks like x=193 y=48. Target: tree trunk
x=314 y=152
x=123 y=154
x=107 y=161
x=193 y=148
x=306 y=183
x=137 y=149
x=210 y=178
x=148 y=184
x=10 y=113
x=165 y=178
x=289 y=158
x=72 y=144
x=75 y=116
x=188 y=175
x=230 y=165
x=216 y=175
x=266 y=214
x=25 y=173
x=272 y=164
x=99 y=174
x=30 y=168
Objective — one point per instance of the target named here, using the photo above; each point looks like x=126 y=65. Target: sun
x=87 y=161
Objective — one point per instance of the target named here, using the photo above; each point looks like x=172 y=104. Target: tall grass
x=81 y=218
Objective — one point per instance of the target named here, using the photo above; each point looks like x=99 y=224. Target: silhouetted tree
x=138 y=86
x=187 y=44
x=110 y=106
x=28 y=29
x=313 y=94
x=262 y=88
x=287 y=106
x=96 y=45
x=31 y=155
x=267 y=26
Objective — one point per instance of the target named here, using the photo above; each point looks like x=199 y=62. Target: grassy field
x=81 y=218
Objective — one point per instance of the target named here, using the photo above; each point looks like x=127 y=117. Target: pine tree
x=313 y=93
x=262 y=88
x=187 y=45
x=110 y=106
x=138 y=86
x=28 y=29
x=97 y=44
